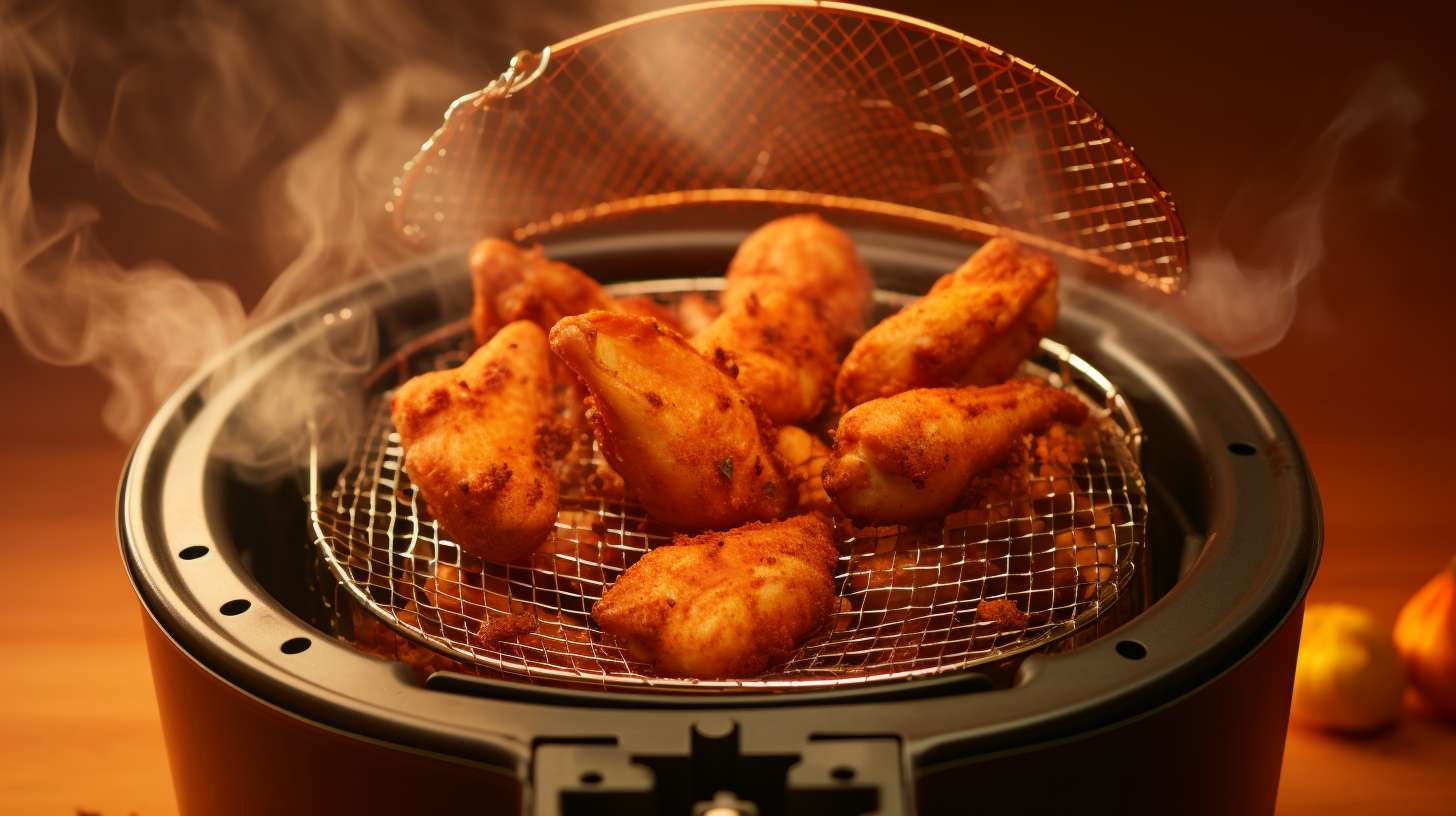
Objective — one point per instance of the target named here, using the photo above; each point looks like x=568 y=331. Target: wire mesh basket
x=821 y=105
x=1064 y=545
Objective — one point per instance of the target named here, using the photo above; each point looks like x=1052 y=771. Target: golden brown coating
x=474 y=442
x=1001 y=614
x=911 y=457
x=725 y=604
x=805 y=455
x=647 y=307
x=974 y=327
x=512 y=283
x=812 y=260
x=694 y=312
x=684 y=437
x=778 y=350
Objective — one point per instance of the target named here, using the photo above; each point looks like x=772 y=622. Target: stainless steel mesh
x=1065 y=550
x=800 y=104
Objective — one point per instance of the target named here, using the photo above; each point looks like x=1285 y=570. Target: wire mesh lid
x=827 y=105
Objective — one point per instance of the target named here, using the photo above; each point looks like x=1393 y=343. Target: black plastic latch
x=715 y=777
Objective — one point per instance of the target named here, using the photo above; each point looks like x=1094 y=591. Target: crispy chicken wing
x=912 y=456
x=811 y=259
x=973 y=328
x=684 y=437
x=694 y=312
x=779 y=351
x=725 y=604
x=512 y=284
x=474 y=438
x=647 y=307
x=804 y=455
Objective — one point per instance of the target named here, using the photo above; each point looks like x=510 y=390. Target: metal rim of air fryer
x=1261 y=540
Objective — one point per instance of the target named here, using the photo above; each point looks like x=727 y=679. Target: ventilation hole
x=236 y=607
x=843 y=773
x=591 y=778
x=195 y=551
x=1242 y=449
x=1131 y=649
x=295 y=645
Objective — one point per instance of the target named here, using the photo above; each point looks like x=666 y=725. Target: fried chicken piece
x=645 y=306
x=513 y=284
x=911 y=457
x=813 y=261
x=694 y=312
x=795 y=291
x=685 y=438
x=973 y=328
x=473 y=444
x=805 y=455
x=725 y=604
x=779 y=351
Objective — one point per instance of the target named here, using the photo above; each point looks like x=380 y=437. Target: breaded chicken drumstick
x=912 y=456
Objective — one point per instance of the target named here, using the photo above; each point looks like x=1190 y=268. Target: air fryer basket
x=1069 y=551
x=645 y=151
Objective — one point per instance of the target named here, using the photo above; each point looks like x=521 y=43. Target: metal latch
x=715 y=777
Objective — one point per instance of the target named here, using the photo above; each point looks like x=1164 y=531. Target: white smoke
x=1247 y=304
x=270 y=130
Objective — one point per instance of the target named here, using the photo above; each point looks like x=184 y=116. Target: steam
x=67 y=301
x=1248 y=305
x=144 y=144
x=151 y=148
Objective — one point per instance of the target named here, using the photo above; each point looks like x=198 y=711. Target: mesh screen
x=798 y=104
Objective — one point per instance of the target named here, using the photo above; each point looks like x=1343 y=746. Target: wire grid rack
x=799 y=104
x=1064 y=544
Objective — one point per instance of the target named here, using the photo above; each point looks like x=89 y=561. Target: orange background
x=1211 y=98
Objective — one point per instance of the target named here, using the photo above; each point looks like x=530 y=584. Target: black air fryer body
x=1184 y=708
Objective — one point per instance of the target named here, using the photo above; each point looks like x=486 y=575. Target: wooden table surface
x=1364 y=377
